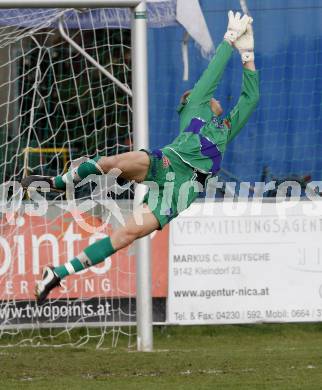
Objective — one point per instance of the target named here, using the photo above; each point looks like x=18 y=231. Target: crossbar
x=69 y=3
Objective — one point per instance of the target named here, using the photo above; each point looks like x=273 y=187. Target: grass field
x=267 y=356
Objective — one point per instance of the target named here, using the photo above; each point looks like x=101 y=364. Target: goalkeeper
x=195 y=155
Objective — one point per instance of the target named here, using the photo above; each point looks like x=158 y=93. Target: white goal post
x=140 y=134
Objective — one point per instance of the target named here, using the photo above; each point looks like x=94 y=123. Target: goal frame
x=140 y=136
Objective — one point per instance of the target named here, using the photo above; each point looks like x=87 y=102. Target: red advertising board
x=32 y=242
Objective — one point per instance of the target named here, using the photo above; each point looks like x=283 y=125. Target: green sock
x=85 y=169
x=59 y=183
x=92 y=255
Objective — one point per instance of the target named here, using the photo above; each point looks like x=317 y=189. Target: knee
x=108 y=163
x=130 y=234
x=135 y=231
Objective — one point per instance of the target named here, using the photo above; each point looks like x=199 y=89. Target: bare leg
x=132 y=230
x=133 y=165
x=98 y=251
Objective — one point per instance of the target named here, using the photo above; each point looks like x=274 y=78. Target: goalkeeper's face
x=216 y=107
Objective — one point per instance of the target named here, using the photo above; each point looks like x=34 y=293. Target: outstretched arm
x=207 y=84
x=250 y=88
x=205 y=87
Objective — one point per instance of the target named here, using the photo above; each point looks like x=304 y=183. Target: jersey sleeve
x=205 y=87
x=246 y=104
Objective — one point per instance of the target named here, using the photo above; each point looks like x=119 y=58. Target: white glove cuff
x=247 y=56
x=231 y=36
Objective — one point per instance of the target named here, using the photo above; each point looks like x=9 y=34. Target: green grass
x=271 y=356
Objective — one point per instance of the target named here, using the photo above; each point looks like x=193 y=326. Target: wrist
x=250 y=65
x=230 y=36
x=247 y=56
x=228 y=41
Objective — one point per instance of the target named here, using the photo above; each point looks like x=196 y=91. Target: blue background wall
x=285 y=132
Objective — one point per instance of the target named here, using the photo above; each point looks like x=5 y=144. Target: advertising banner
x=246 y=267
x=105 y=292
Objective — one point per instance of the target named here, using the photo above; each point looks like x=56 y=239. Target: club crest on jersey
x=218 y=122
x=165 y=161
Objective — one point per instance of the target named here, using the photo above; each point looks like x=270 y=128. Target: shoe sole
x=36 y=292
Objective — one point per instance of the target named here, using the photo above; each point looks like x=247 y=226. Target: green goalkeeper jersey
x=203 y=137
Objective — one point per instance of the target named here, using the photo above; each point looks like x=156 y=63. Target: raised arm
x=250 y=88
x=207 y=84
x=205 y=87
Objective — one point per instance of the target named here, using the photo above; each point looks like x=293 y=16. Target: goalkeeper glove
x=236 y=26
x=245 y=45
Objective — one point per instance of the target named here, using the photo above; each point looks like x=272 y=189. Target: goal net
x=55 y=107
